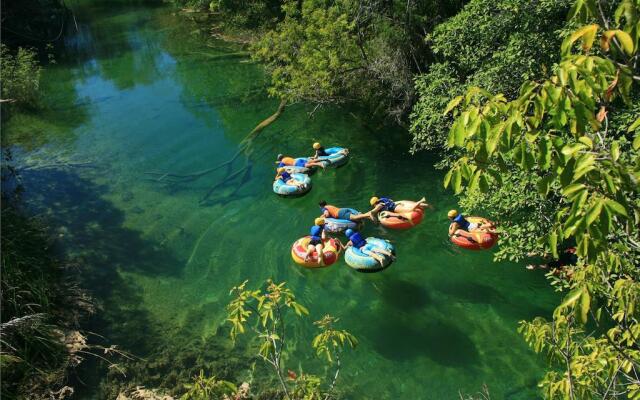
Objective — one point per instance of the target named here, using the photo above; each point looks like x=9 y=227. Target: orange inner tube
x=476 y=239
x=392 y=222
x=330 y=252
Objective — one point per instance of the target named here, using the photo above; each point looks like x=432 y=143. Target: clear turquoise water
x=136 y=89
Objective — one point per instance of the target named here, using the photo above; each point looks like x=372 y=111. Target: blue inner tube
x=359 y=259
x=284 y=189
x=334 y=158
x=336 y=225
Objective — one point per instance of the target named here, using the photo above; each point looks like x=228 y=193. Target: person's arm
x=323 y=235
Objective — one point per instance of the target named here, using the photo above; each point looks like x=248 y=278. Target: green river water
x=138 y=88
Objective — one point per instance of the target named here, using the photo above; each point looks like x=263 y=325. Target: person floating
x=395 y=209
x=321 y=152
x=349 y=214
x=302 y=162
x=317 y=237
x=357 y=241
x=286 y=177
x=458 y=221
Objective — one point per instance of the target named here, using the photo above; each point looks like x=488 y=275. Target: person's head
x=319 y=221
x=316 y=146
x=280 y=157
x=280 y=170
x=348 y=233
x=452 y=214
x=374 y=200
x=322 y=204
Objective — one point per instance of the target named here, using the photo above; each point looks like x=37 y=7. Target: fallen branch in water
x=244 y=148
x=35 y=167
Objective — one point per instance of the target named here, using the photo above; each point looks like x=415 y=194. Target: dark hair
x=322 y=203
x=280 y=157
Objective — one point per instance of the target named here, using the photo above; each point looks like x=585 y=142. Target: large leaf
x=586 y=33
x=615 y=207
x=571 y=298
x=623 y=38
x=594 y=211
x=585 y=304
x=453 y=104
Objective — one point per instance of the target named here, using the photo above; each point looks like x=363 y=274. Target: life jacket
x=316 y=231
x=357 y=240
x=321 y=152
x=462 y=222
x=285 y=176
x=389 y=205
x=332 y=210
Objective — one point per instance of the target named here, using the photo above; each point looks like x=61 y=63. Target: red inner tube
x=415 y=217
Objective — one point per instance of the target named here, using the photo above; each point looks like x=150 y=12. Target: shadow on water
x=401 y=337
x=472 y=292
x=405 y=295
x=93 y=227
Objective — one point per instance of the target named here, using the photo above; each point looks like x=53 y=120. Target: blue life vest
x=389 y=205
x=285 y=176
x=316 y=231
x=357 y=240
x=462 y=222
x=282 y=164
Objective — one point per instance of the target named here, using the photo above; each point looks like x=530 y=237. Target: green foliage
x=268 y=307
x=490 y=44
x=572 y=137
x=350 y=50
x=330 y=340
x=310 y=54
x=20 y=76
x=248 y=13
x=206 y=388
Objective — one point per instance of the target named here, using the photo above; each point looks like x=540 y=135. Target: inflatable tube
x=330 y=252
x=476 y=239
x=335 y=158
x=285 y=189
x=359 y=260
x=414 y=217
x=336 y=225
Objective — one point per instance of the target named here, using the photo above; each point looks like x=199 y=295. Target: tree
x=362 y=51
x=268 y=306
x=490 y=44
x=573 y=137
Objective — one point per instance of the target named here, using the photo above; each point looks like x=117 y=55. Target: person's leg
x=310 y=164
x=383 y=252
x=320 y=255
x=378 y=258
x=359 y=217
x=310 y=249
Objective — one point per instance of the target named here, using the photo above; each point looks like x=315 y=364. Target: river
x=138 y=88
